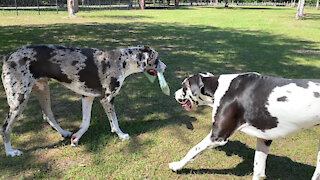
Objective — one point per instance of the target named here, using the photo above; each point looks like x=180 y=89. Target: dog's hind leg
x=316 y=174
x=86 y=115
x=260 y=158
x=42 y=92
x=17 y=101
x=107 y=103
x=206 y=143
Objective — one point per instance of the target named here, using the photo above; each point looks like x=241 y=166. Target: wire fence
x=18 y=7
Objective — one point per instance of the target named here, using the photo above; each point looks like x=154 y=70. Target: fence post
x=15 y=2
x=38 y=7
x=57 y=6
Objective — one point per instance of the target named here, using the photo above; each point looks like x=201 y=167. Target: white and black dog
x=261 y=106
x=87 y=71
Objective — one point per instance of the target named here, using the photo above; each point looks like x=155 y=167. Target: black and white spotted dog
x=89 y=72
x=262 y=106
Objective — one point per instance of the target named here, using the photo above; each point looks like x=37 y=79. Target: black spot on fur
x=74 y=63
x=211 y=85
x=13 y=65
x=267 y=142
x=282 y=99
x=130 y=52
x=23 y=61
x=316 y=94
x=114 y=84
x=112 y=100
x=21 y=98
x=104 y=66
x=43 y=67
x=89 y=74
x=124 y=65
x=139 y=56
x=4 y=126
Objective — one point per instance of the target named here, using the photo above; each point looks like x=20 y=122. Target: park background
x=189 y=39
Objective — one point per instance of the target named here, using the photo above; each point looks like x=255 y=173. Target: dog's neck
x=134 y=63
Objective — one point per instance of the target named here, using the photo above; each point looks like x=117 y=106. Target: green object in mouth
x=151 y=78
x=163 y=84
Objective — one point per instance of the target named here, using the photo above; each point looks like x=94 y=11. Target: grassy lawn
x=189 y=40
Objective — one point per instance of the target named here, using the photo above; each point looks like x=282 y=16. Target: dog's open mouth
x=152 y=72
x=187 y=105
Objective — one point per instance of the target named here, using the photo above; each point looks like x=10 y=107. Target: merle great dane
x=261 y=106
x=87 y=71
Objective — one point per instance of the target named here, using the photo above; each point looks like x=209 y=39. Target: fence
x=40 y=6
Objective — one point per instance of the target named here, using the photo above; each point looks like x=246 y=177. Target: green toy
x=162 y=82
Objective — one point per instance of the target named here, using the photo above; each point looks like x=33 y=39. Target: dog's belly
x=80 y=88
x=295 y=108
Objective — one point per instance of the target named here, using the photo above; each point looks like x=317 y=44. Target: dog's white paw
x=14 y=152
x=124 y=137
x=174 y=166
x=74 y=141
x=66 y=134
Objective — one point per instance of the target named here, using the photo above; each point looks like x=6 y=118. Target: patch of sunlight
x=158 y=116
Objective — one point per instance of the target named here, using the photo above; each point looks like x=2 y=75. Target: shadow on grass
x=313 y=16
x=141 y=107
x=278 y=167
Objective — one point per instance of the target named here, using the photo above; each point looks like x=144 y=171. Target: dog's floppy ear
x=195 y=83
x=142 y=60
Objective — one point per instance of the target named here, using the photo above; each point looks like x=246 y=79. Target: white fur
x=300 y=111
x=224 y=84
x=260 y=158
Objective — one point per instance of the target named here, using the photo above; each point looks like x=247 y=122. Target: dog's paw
x=14 y=152
x=74 y=141
x=124 y=137
x=66 y=134
x=174 y=166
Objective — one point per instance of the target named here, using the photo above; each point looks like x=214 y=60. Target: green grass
x=267 y=40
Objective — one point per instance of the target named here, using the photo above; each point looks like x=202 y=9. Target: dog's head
x=149 y=61
x=197 y=90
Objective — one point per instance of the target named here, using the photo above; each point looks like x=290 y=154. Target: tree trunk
x=317 y=6
x=217 y=2
x=168 y=2
x=300 y=9
x=70 y=4
x=76 y=6
x=176 y=3
x=142 y=4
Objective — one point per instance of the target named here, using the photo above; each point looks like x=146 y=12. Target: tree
x=317 y=6
x=176 y=3
x=300 y=9
x=73 y=7
x=142 y=4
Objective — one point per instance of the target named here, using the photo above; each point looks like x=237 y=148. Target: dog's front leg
x=86 y=116
x=260 y=158
x=316 y=174
x=205 y=144
x=108 y=106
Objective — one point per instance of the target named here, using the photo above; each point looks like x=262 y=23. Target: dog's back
x=277 y=107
